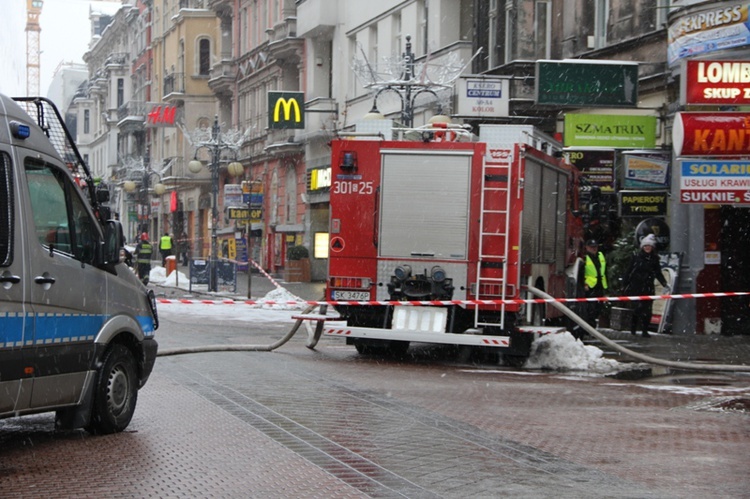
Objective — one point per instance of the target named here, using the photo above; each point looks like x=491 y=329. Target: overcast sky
x=64 y=38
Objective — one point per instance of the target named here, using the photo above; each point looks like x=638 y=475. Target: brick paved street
x=330 y=423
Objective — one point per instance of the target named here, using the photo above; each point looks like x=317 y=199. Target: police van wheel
x=115 y=393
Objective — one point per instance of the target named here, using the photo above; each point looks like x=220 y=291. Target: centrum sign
x=600 y=130
x=286 y=110
x=587 y=84
x=715 y=182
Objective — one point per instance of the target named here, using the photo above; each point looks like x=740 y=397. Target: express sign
x=716 y=83
x=711 y=134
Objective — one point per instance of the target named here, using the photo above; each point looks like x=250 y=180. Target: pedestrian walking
x=639 y=280
x=166 y=243
x=143 y=252
x=594 y=281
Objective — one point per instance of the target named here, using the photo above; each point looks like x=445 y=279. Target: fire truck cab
x=464 y=224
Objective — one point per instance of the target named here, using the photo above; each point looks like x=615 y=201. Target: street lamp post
x=215 y=144
x=145 y=184
x=404 y=91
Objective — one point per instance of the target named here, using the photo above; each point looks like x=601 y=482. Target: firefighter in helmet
x=143 y=252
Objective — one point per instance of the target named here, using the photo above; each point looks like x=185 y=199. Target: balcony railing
x=174 y=83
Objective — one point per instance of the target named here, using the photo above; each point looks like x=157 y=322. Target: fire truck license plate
x=351 y=295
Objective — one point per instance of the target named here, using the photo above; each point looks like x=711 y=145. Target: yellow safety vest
x=166 y=243
x=590 y=276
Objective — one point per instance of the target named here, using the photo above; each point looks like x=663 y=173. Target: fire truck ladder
x=494 y=224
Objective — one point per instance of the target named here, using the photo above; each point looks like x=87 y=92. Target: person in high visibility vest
x=166 y=243
x=594 y=280
x=143 y=252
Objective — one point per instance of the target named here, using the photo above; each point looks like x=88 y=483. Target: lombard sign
x=606 y=130
x=715 y=182
x=286 y=110
x=587 y=84
x=711 y=134
x=482 y=96
x=715 y=83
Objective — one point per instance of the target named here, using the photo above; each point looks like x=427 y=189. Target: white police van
x=76 y=325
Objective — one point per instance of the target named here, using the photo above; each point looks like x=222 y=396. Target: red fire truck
x=448 y=218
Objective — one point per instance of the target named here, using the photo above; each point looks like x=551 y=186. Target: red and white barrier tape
x=458 y=302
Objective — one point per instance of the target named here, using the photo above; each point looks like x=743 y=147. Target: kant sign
x=587 y=84
x=607 y=130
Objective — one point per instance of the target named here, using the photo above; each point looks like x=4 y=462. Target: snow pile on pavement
x=281 y=296
x=562 y=352
x=175 y=279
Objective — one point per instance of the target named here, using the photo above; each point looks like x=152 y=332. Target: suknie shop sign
x=714 y=182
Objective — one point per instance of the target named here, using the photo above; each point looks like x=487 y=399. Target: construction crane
x=33 y=30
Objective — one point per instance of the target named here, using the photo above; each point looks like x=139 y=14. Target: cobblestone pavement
x=330 y=423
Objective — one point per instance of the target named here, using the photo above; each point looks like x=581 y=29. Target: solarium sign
x=714 y=182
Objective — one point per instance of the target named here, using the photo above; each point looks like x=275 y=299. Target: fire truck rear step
x=418 y=336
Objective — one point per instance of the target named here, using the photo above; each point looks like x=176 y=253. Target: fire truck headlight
x=438 y=274
x=402 y=272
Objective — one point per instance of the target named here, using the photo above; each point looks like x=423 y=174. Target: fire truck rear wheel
x=514 y=360
x=381 y=347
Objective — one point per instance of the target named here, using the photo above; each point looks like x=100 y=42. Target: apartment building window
x=204 y=56
x=543 y=29
x=120 y=92
x=397 y=43
x=373 y=42
x=243 y=31
x=424 y=25
x=86 y=121
x=511 y=31
x=662 y=11
x=601 y=16
x=493 y=42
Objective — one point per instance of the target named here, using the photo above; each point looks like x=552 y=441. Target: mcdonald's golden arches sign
x=286 y=110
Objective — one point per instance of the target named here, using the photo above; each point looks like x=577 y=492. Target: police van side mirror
x=113 y=243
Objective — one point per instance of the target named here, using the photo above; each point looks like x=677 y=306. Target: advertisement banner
x=718 y=27
x=643 y=203
x=587 y=83
x=711 y=134
x=606 y=130
x=233 y=195
x=482 y=96
x=715 y=83
x=598 y=167
x=646 y=169
x=715 y=182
